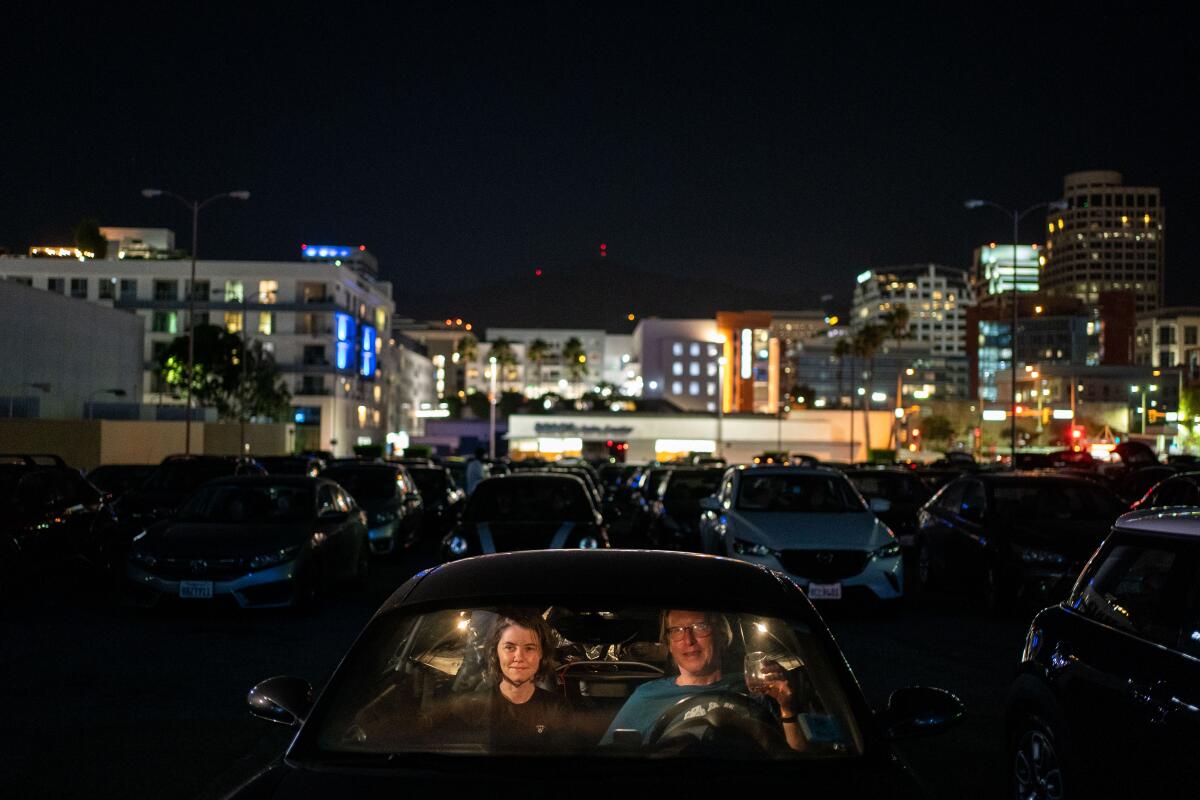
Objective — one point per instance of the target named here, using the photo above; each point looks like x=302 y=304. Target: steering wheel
x=718 y=722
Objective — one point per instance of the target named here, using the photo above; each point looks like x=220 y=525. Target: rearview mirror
x=880 y=505
x=710 y=503
x=919 y=711
x=281 y=699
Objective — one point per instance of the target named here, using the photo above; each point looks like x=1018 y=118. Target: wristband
x=792 y=718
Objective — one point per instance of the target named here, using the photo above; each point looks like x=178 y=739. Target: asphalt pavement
x=106 y=701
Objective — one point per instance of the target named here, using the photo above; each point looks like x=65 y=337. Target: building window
x=712 y=388
x=314 y=354
x=55 y=285
x=677 y=368
x=712 y=351
x=1189 y=334
x=694 y=388
x=166 y=290
x=712 y=369
x=107 y=288
x=677 y=387
x=313 y=293
x=164 y=322
x=24 y=280
x=677 y=349
x=1166 y=334
x=157 y=351
x=234 y=292
x=312 y=384
x=233 y=321
x=200 y=291
x=268 y=291
x=266 y=323
x=695 y=349
x=79 y=288
x=128 y=289
x=694 y=368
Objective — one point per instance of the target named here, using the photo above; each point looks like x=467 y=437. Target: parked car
x=675 y=513
x=261 y=542
x=54 y=520
x=390 y=499
x=1012 y=539
x=527 y=511
x=442 y=500
x=309 y=465
x=393 y=719
x=1133 y=484
x=117 y=479
x=902 y=489
x=173 y=481
x=809 y=523
x=1178 y=490
x=1107 y=700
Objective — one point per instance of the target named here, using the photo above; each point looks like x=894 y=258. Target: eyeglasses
x=701 y=630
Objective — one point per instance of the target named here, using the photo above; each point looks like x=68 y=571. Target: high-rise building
x=992 y=269
x=1109 y=237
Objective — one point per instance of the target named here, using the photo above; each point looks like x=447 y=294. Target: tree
x=841 y=349
x=506 y=357
x=89 y=238
x=865 y=344
x=801 y=394
x=937 y=429
x=575 y=358
x=467 y=348
x=217 y=378
x=896 y=324
x=539 y=350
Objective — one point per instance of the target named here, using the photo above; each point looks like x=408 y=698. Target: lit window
x=712 y=388
x=694 y=368
x=677 y=368
x=712 y=369
x=695 y=349
x=677 y=349
x=676 y=387
x=233 y=292
x=266 y=323
x=694 y=388
x=712 y=351
x=233 y=321
x=267 y=291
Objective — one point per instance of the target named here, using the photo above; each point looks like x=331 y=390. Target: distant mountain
x=597 y=294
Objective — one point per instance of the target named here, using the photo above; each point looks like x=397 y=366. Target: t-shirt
x=650 y=700
x=537 y=725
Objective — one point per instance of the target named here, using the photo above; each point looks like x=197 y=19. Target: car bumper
x=274 y=587
x=881 y=577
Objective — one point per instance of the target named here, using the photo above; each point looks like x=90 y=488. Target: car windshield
x=419 y=683
x=797 y=493
x=896 y=488
x=187 y=476
x=431 y=483
x=366 y=485
x=226 y=503
x=529 y=500
x=685 y=489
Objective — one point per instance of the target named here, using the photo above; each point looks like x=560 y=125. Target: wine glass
x=755 y=671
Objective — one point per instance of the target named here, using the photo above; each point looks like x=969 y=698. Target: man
x=476 y=470
x=696 y=646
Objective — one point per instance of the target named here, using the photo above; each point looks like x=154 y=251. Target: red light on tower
x=362 y=248
x=603 y=250
x=537 y=273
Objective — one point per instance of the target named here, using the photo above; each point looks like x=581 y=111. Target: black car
x=1012 y=538
x=53 y=520
x=292 y=465
x=173 y=481
x=1133 y=484
x=675 y=512
x=527 y=511
x=443 y=500
x=262 y=542
x=391 y=500
x=1107 y=700
x=117 y=479
x=1178 y=490
x=905 y=492
x=645 y=488
x=383 y=726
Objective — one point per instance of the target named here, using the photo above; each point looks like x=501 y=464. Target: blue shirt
x=650 y=700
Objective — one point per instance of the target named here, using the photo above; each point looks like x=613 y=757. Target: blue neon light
x=367 y=362
x=300 y=416
x=327 y=251
x=345 y=355
x=344 y=327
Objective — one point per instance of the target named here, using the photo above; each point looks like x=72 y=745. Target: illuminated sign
x=994 y=415
x=1063 y=413
x=345 y=355
x=344 y=329
x=863 y=277
x=747 y=353
x=367 y=361
x=327 y=251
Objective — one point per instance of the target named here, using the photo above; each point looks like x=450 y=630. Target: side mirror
x=281 y=699
x=919 y=711
x=880 y=505
x=710 y=503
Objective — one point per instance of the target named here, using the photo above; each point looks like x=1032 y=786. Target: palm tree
x=841 y=349
x=467 y=348
x=896 y=324
x=539 y=350
x=866 y=343
x=576 y=359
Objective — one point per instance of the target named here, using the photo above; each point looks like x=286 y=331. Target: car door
x=1131 y=697
x=936 y=529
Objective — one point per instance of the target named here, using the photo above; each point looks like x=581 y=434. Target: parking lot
x=120 y=703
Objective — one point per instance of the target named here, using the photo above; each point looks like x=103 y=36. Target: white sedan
x=809 y=523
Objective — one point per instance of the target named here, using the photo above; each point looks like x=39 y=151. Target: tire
x=1038 y=763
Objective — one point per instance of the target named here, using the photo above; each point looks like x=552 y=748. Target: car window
x=974 y=497
x=367 y=485
x=325 y=500
x=529 y=500
x=234 y=504
x=895 y=488
x=419 y=683
x=949 y=500
x=1131 y=590
x=1049 y=500
x=1176 y=492
x=797 y=493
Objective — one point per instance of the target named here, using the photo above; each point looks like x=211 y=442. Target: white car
x=809 y=523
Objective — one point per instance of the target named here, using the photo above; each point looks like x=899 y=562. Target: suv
x=1107 y=700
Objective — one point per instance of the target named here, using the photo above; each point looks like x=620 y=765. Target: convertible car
x=386 y=725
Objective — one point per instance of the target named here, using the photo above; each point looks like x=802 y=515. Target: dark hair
x=530 y=621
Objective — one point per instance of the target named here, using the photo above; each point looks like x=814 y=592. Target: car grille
x=824 y=565
x=186 y=569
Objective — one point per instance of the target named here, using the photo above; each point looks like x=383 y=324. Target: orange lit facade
x=752 y=362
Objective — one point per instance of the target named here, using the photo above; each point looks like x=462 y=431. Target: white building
x=679 y=361
x=1169 y=337
x=553 y=373
x=326 y=323
x=937 y=299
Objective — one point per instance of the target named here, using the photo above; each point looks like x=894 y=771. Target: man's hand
x=777 y=687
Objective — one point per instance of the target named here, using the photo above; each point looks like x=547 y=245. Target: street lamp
x=44 y=388
x=1017 y=216
x=195 y=206
x=113 y=392
x=720 y=406
x=492 y=408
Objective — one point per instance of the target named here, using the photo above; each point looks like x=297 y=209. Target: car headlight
x=589 y=543
x=142 y=558
x=889 y=550
x=457 y=545
x=1031 y=555
x=745 y=548
x=273 y=558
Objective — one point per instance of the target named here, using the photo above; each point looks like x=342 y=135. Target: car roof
x=1170 y=520
x=788 y=469
x=619 y=577
x=270 y=480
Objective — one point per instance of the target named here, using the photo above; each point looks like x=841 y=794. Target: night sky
x=467 y=144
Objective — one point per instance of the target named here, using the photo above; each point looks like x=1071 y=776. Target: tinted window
x=187 y=476
x=1050 y=500
x=367 y=485
x=896 y=488
x=795 y=493
x=529 y=501
x=949 y=500
x=1130 y=591
x=234 y=504
x=1176 y=492
x=684 y=490
x=430 y=482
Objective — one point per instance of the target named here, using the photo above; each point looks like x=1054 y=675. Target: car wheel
x=1037 y=766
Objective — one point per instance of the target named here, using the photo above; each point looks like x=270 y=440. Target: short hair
x=530 y=621
x=718 y=622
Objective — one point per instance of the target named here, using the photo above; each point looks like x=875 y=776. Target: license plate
x=824 y=591
x=196 y=590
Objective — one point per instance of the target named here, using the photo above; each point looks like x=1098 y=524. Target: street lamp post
x=492 y=408
x=113 y=392
x=720 y=406
x=1017 y=216
x=195 y=206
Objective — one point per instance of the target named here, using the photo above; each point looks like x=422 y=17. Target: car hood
x=847 y=531
x=187 y=539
